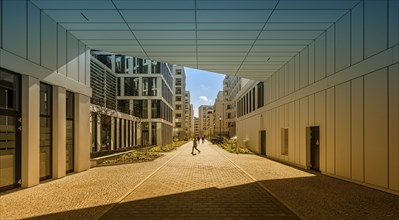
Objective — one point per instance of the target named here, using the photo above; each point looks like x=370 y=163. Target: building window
x=105 y=132
x=154 y=133
x=131 y=86
x=155 y=67
x=250 y=101
x=69 y=131
x=45 y=131
x=124 y=106
x=140 y=108
x=253 y=99
x=284 y=141
x=155 y=108
x=261 y=94
x=93 y=131
x=116 y=133
x=150 y=86
x=145 y=134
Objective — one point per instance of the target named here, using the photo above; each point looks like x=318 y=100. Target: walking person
x=203 y=139
x=195 y=146
x=198 y=139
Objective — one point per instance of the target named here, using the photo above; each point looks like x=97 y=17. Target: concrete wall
x=346 y=81
x=35 y=46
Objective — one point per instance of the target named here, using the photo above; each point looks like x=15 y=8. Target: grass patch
x=142 y=155
x=230 y=145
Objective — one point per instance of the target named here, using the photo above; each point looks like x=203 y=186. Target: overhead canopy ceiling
x=247 y=38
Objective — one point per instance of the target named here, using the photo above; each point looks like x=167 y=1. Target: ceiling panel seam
x=260 y=32
x=138 y=41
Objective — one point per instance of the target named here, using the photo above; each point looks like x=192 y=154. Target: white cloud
x=204 y=98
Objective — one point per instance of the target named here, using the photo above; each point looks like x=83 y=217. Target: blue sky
x=203 y=86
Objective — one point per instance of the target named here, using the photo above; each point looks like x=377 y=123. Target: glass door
x=69 y=132
x=10 y=131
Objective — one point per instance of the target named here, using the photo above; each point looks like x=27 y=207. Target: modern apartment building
x=179 y=130
x=196 y=126
x=220 y=116
x=144 y=93
x=231 y=86
x=187 y=114
x=205 y=113
x=191 y=120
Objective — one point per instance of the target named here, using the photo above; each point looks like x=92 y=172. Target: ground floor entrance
x=10 y=130
x=314 y=142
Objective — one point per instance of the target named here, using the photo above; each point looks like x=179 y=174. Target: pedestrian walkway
x=214 y=184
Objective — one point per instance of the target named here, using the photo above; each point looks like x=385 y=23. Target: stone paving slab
x=203 y=186
x=84 y=195
x=316 y=196
x=212 y=185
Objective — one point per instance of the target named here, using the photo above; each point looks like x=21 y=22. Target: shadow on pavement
x=247 y=201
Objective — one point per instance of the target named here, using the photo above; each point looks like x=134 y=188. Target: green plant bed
x=230 y=145
x=140 y=155
x=119 y=150
x=132 y=157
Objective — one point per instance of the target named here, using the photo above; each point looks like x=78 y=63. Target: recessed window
x=284 y=141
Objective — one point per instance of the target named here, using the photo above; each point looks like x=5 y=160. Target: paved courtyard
x=211 y=185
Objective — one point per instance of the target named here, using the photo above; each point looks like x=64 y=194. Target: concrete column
x=123 y=133
x=98 y=132
x=113 y=133
x=30 y=131
x=139 y=127
x=130 y=133
x=59 y=131
x=117 y=132
x=82 y=132
x=159 y=133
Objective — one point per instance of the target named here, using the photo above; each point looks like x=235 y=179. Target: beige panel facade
x=352 y=97
x=35 y=47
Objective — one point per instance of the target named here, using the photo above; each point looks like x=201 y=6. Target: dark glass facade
x=45 y=131
x=69 y=132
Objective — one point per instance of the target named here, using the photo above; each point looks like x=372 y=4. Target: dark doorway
x=315 y=148
x=263 y=142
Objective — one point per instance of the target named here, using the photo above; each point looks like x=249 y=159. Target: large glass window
x=155 y=67
x=9 y=91
x=124 y=106
x=45 y=131
x=253 y=99
x=154 y=133
x=140 y=108
x=69 y=132
x=145 y=134
x=261 y=94
x=150 y=86
x=155 y=109
x=105 y=132
x=131 y=86
x=10 y=145
x=93 y=131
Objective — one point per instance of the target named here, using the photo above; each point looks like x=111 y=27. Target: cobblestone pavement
x=214 y=184
x=316 y=196
x=202 y=186
x=84 y=195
